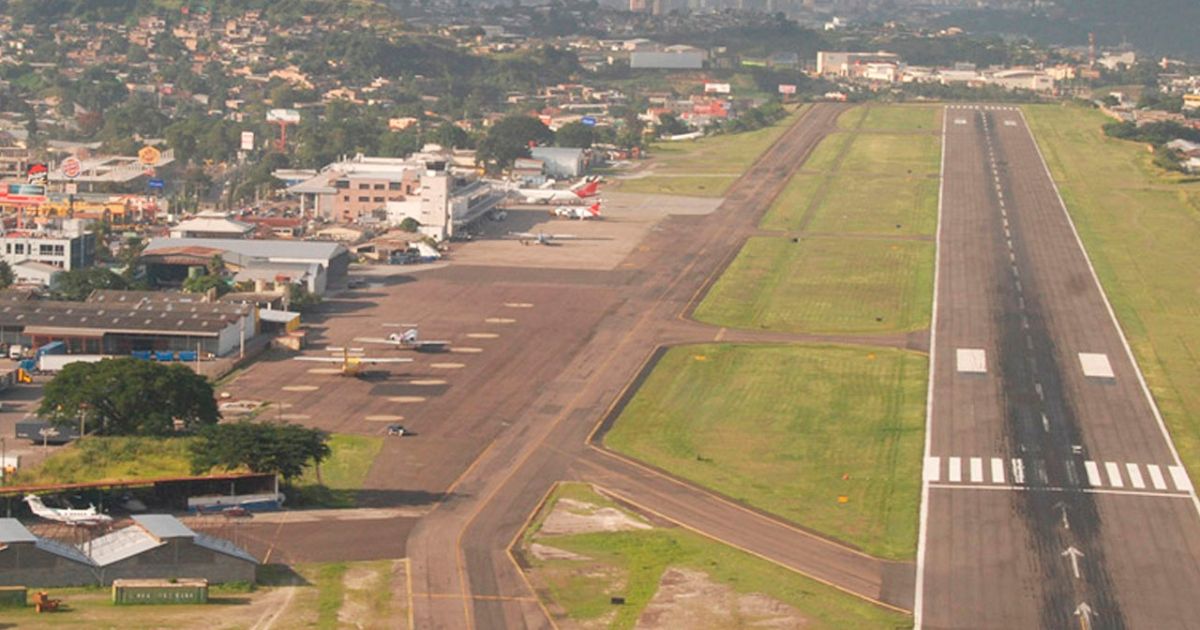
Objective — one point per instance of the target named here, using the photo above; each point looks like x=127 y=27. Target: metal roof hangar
x=155 y=546
x=121 y=322
x=315 y=264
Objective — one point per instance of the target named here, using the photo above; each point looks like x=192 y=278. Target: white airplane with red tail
x=584 y=190
x=575 y=212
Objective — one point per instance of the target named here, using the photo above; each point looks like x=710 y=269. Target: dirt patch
x=546 y=552
x=580 y=517
x=690 y=599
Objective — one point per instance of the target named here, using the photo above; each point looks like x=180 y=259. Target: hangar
x=121 y=322
x=313 y=264
x=154 y=546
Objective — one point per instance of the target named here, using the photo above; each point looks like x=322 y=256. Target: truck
x=42 y=432
x=56 y=362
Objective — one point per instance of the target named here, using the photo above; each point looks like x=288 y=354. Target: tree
x=669 y=125
x=205 y=283
x=75 y=285
x=301 y=299
x=129 y=396
x=510 y=138
x=576 y=135
x=410 y=224
x=285 y=449
x=451 y=137
x=6 y=275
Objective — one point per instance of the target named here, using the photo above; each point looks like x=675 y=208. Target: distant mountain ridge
x=50 y=11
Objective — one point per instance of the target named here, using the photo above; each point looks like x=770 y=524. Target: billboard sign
x=26 y=190
x=149 y=155
x=71 y=167
x=156 y=184
x=716 y=88
x=590 y=121
x=785 y=88
x=247 y=140
x=37 y=173
x=289 y=116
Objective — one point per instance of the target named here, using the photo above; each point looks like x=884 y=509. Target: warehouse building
x=668 y=58
x=312 y=264
x=122 y=322
x=155 y=546
x=26 y=560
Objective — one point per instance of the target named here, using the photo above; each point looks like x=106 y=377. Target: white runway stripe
x=1179 y=476
x=1156 y=477
x=976 y=470
x=933 y=469
x=1114 y=475
x=1018 y=470
x=1093 y=473
x=997 y=470
x=955 y=469
x=1135 y=476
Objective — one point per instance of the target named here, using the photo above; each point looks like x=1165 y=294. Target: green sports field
x=1140 y=226
x=790 y=429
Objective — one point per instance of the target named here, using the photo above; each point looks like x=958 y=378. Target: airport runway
x=1053 y=497
x=462 y=572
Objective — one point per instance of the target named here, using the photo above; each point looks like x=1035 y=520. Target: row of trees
x=131 y=397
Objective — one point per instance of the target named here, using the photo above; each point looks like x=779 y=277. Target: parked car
x=396 y=430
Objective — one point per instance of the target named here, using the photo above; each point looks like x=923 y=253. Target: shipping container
x=184 y=591
x=56 y=362
x=12 y=597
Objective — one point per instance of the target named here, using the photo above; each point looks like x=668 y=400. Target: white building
x=33 y=273
x=71 y=247
x=442 y=206
x=211 y=225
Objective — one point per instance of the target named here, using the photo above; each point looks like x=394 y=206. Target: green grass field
x=852 y=118
x=903 y=118
x=705 y=167
x=885 y=184
x=343 y=473
x=715 y=414
x=631 y=564
x=893 y=155
x=832 y=285
x=112 y=458
x=1140 y=226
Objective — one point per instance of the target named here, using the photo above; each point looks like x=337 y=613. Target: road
x=462 y=572
x=1053 y=496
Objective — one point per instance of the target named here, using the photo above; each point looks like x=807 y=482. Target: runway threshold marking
x=428 y=381
x=500 y=320
x=1156 y=477
x=465 y=350
x=1114 y=474
x=384 y=418
x=1096 y=474
x=482 y=335
x=406 y=399
x=997 y=470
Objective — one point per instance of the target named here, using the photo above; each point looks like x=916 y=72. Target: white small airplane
x=541 y=238
x=582 y=191
x=408 y=339
x=583 y=214
x=74 y=517
x=352 y=364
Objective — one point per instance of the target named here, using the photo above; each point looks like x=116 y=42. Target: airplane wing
x=376 y=340
x=366 y=360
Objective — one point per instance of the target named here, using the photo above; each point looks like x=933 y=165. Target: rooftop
x=12 y=531
x=255 y=248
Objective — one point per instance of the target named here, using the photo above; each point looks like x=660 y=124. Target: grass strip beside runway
x=705 y=167
x=902 y=118
x=789 y=430
x=632 y=563
x=1140 y=227
x=342 y=473
x=831 y=285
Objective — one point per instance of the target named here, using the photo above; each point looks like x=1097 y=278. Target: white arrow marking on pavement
x=1074 y=554
x=1084 y=612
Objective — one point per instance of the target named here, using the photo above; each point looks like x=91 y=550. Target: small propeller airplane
x=410 y=338
x=71 y=516
x=575 y=212
x=540 y=238
x=352 y=364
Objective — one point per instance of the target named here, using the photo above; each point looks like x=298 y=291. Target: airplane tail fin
x=589 y=190
x=595 y=209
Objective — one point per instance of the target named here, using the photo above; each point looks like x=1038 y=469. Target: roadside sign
x=149 y=155
x=37 y=173
x=71 y=167
x=247 y=140
x=156 y=184
x=590 y=121
x=785 y=88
